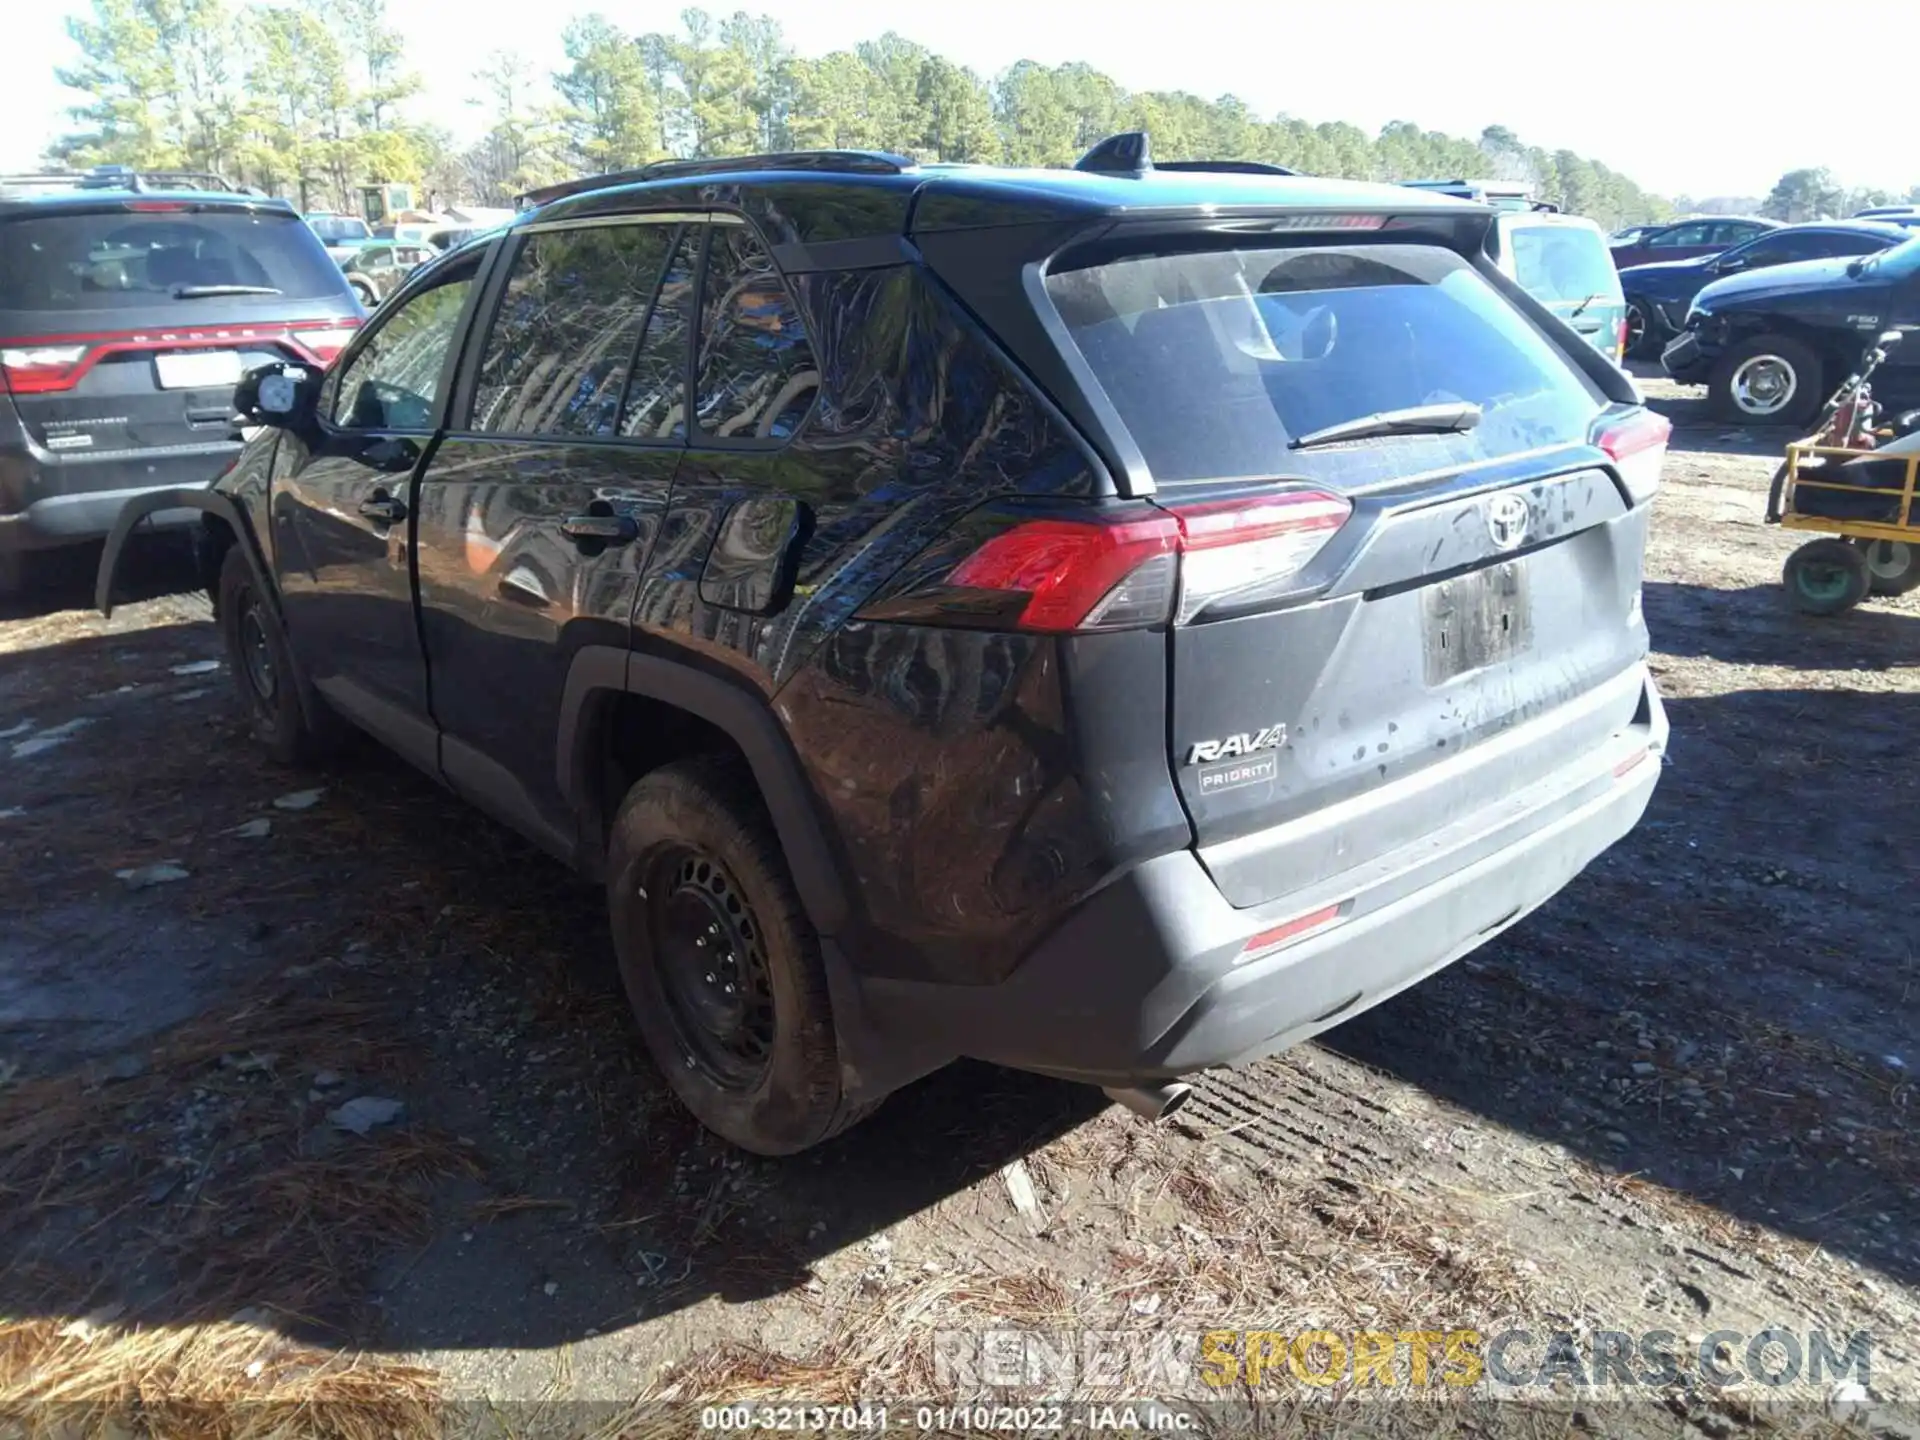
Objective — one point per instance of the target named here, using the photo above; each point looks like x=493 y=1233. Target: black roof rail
x=837 y=162
x=1130 y=153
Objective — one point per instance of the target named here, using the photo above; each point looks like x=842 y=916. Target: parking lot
x=1679 y=1097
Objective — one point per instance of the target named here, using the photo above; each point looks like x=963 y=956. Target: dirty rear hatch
x=1473 y=626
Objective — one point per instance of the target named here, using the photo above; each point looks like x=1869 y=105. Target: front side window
x=562 y=340
x=1218 y=361
x=393 y=381
x=1678 y=236
x=757 y=376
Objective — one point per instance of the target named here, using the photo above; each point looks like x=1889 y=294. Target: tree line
x=310 y=100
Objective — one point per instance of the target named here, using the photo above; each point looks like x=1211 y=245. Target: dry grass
x=206 y=1233
x=229 y=1380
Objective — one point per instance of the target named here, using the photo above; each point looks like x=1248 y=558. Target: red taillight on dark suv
x=58 y=363
x=1120 y=567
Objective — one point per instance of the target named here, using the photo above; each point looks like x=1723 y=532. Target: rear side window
x=562 y=340
x=1556 y=263
x=125 y=260
x=1217 y=360
x=656 y=403
x=757 y=376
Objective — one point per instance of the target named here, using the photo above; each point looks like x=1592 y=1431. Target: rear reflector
x=1637 y=445
x=1287 y=933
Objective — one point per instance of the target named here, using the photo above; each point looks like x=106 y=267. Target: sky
x=1722 y=114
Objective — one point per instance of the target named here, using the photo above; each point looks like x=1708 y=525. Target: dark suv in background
x=129 y=309
x=1110 y=622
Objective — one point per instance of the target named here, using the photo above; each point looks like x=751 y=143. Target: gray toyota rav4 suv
x=1111 y=622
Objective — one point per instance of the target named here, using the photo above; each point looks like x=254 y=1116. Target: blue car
x=1658 y=295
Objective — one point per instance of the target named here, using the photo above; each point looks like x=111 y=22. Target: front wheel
x=1826 y=577
x=1893 y=566
x=1768 y=380
x=263 y=670
x=720 y=963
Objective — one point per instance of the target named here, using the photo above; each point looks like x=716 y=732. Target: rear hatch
x=1375 y=634
x=124 y=323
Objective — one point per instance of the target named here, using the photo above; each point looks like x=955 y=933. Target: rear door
x=1486 y=577
x=538 y=511
x=343 y=512
x=124 y=325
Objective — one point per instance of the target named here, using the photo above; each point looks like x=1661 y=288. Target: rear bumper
x=1145 y=981
x=73 y=502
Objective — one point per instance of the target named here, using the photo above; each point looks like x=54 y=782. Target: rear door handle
x=383 y=509
x=607 y=529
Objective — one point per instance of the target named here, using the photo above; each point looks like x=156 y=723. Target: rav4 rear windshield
x=124 y=260
x=1217 y=360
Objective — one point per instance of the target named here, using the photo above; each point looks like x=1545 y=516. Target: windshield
x=1217 y=360
x=1562 y=263
x=117 y=260
x=335 y=228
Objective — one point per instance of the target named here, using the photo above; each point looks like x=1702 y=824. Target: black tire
x=1826 y=577
x=1893 y=566
x=263 y=671
x=748 y=1045
x=1645 y=334
x=367 y=297
x=1767 y=380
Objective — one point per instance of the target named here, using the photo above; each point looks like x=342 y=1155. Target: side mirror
x=281 y=394
x=1889 y=338
x=1727 y=264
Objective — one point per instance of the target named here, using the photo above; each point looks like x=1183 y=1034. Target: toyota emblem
x=1507 y=519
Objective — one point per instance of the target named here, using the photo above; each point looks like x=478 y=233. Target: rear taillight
x=1637 y=445
x=58 y=363
x=1124 y=567
x=41 y=369
x=323 y=343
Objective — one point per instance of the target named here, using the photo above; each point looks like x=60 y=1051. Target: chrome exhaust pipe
x=1149 y=1102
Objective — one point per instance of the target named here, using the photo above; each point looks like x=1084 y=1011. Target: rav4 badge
x=1229 y=746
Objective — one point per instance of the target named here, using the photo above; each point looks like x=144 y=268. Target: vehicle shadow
x=1758 y=625
x=384 y=941
x=1721 y=1005
x=63 y=579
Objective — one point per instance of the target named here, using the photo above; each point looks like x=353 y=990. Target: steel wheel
x=257 y=653
x=713 y=967
x=1893 y=566
x=1764 y=386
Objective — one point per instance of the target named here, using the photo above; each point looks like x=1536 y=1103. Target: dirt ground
x=1679 y=1098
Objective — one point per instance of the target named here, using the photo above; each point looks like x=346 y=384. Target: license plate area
x=197 y=369
x=1476 y=620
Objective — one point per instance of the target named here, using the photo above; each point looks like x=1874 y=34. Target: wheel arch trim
x=209 y=502
x=598 y=671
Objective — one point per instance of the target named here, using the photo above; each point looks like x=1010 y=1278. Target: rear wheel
x=1643 y=330
x=1768 y=380
x=1826 y=577
x=263 y=672
x=720 y=962
x=1893 y=566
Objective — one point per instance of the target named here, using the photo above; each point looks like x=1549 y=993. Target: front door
x=539 y=510
x=342 y=516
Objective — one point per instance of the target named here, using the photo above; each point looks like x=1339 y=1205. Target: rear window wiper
x=1414 y=420
x=203 y=292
